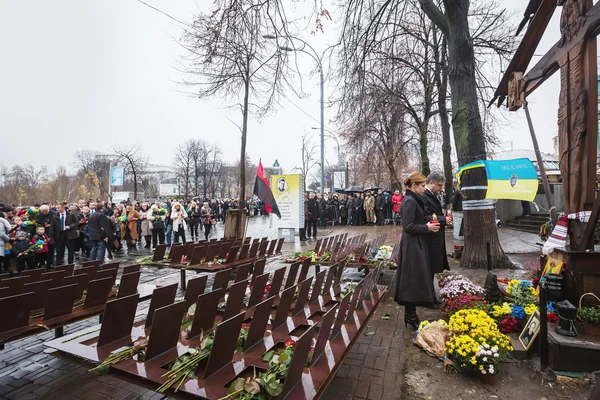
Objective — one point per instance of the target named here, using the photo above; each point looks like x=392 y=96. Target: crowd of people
x=352 y=209
x=41 y=235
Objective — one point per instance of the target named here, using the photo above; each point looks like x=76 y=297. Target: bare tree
x=309 y=157
x=229 y=57
x=184 y=163
x=135 y=163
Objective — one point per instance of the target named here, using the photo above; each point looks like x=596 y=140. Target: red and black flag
x=262 y=190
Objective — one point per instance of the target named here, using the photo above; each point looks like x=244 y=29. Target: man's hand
x=105 y=239
x=67 y=227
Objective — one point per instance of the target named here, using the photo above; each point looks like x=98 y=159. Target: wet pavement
x=374 y=368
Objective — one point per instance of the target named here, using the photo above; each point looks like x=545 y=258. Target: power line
x=164 y=13
x=304 y=112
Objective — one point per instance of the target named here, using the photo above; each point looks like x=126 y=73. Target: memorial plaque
x=213 y=250
x=296 y=367
x=165 y=329
x=304 y=270
x=97 y=293
x=40 y=293
x=224 y=345
x=128 y=284
x=32 y=275
x=329 y=280
x=324 y=246
x=109 y=273
x=205 y=320
x=60 y=301
x=258 y=289
x=354 y=302
x=89 y=270
x=131 y=268
x=76 y=280
x=195 y=287
x=118 y=318
x=231 y=256
x=4 y=276
x=271 y=248
x=14 y=285
x=176 y=254
x=244 y=251
x=302 y=296
x=318 y=246
x=279 y=246
x=67 y=268
x=198 y=254
x=341 y=317
x=221 y=280
x=292 y=273
x=262 y=249
x=235 y=300
x=260 y=319
x=323 y=335
x=276 y=282
x=224 y=251
x=161 y=297
x=15 y=310
x=242 y=272
x=190 y=251
x=95 y=263
x=159 y=252
x=258 y=268
x=314 y=296
x=253 y=250
x=111 y=265
x=283 y=308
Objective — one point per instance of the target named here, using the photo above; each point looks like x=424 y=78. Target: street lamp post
x=316 y=57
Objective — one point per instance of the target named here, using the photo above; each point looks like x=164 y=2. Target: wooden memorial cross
x=574 y=55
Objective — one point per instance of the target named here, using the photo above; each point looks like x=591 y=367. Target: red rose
x=552 y=317
x=290 y=343
x=456 y=247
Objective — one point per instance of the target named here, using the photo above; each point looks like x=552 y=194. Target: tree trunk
x=423 y=142
x=442 y=83
x=242 y=199
x=480 y=227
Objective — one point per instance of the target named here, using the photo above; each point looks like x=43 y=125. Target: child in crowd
x=41 y=255
x=21 y=250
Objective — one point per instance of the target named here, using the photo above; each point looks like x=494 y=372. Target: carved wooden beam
x=549 y=64
x=529 y=43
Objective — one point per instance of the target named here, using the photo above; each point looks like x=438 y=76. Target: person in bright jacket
x=41 y=254
x=396 y=204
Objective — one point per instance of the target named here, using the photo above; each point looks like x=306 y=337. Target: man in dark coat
x=436 y=241
x=46 y=218
x=351 y=210
x=98 y=226
x=359 y=203
x=380 y=207
x=322 y=211
x=67 y=224
x=313 y=216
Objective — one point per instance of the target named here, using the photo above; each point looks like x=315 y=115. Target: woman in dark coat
x=414 y=286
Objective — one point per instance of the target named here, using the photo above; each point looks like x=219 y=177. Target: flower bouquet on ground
x=474 y=334
x=456 y=287
x=446 y=277
x=138 y=349
x=299 y=256
x=464 y=301
x=324 y=257
x=522 y=292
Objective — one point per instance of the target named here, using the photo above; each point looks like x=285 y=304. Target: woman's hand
x=433 y=227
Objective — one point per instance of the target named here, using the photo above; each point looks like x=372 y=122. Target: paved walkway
x=374 y=369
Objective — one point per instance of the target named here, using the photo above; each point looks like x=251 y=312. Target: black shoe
x=412 y=320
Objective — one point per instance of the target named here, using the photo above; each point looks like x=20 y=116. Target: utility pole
x=322 y=131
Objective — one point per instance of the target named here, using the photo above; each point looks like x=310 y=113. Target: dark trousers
x=410 y=309
x=194 y=228
x=351 y=217
x=178 y=233
x=26 y=262
x=158 y=234
x=50 y=257
x=311 y=229
x=322 y=220
x=4 y=263
x=359 y=216
x=302 y=233
x=380 y=217
x=344 y=220
x=62 y=243
x=207 y=230
x=41 y=259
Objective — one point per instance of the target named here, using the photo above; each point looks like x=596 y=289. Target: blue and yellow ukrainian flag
x=507 y=179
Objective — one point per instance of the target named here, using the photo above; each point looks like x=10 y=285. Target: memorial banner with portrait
x=288 y=193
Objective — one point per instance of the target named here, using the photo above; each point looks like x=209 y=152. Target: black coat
x=49 y=223
x=98 y=226
x=359 y=203
x=343 y=209
x=436 y=241
x=414 y=281
x=380 y=202
x=71 y=221
x=313 y=209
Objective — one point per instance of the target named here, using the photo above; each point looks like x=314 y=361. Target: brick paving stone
x=361 y=390
x=375 y=392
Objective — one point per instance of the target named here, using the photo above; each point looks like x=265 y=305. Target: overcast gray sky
x=79 y=74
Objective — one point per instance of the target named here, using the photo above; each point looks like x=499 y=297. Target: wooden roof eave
x=527 y=47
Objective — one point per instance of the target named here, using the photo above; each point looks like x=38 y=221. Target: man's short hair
x=435 y=177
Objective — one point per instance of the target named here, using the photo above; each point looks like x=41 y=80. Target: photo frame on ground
x=531 y=330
